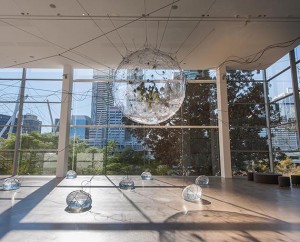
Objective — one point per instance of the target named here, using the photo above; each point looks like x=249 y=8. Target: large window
x=247 y=120
x=40 y=107
x=103 y=141
x=282 y=107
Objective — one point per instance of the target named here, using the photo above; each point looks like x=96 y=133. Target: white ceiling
x=32 y=34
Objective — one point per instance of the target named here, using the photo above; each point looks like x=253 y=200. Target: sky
x=41 y=91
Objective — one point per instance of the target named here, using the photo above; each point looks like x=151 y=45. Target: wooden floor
x=230 y=210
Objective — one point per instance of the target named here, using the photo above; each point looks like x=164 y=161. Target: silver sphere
x=126 y=184
x=11 y=183
x=78 y=201
x=146 y=175
x=202 y=180
x=71 y=174
x=192 y=193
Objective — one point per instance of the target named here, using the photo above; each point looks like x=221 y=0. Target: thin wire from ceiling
x=115 y=47
x=127 y=50
x=121 y=26
x=146 y=25
x=195 y=27
x=163 y=35
x=86 y=42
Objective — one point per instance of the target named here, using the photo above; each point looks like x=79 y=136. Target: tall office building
x=3 y=125
x=31 y=123
x=101 y=102
x=81 y=132
x=105 y=114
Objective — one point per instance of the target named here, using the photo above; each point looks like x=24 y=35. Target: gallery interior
x=139 y=120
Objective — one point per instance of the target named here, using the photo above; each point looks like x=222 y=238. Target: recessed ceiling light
x=52 y=5
x=83 y=14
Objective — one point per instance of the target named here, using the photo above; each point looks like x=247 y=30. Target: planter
x=295 y=179
x=250 y=175
x=268 y=178
x=284 y=181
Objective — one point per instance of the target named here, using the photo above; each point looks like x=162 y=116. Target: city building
x=106 y=115
x=31 y=123
x=81 y=132
x=6 y=126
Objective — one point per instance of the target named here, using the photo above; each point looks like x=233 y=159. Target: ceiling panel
x=199 y=33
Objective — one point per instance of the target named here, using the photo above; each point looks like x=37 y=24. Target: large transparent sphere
x=192 y=193
x=149 y=86
x=11 y=183
x=78 y=201
x=126 y=184
x=146 y=175
x=71 y=174
x=202 y=180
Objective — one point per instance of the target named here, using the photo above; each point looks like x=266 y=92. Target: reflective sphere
x=78 y=201
x=149 y=86
x=11 y=183
x=71 y=174
x=146 y=175
x=126 y=183
x=202 y=180
x=192 y=193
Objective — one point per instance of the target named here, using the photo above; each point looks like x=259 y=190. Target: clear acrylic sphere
x=192 y=193
x=202 y=180
x=149 y=86
x=71 y=174
x=146 y=175
x=78 y=201
x=126 y=183
x=11 y=183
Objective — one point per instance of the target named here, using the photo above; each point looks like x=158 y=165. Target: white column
x=64 y=122
x=224 y=138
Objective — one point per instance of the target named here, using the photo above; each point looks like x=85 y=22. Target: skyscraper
x=80 y=132
x=101 y=103
x=107 y=115
x=3 y=125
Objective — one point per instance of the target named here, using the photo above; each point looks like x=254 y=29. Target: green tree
x=31 y=152
x=198 y=148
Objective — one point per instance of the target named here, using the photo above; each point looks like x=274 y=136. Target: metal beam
x=295 y=93
x=19 y=125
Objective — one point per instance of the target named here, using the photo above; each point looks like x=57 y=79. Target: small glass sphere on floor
x=146 y=175
x=11 y=183
x=202 y=180
x=71 y=174
x=126 y=184
x=78 y=201
x=149 y=86
x=192 y=193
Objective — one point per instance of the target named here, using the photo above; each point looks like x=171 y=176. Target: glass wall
x=103 y=141
x=282 y=107
x=247 y=120
x=41 y=107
